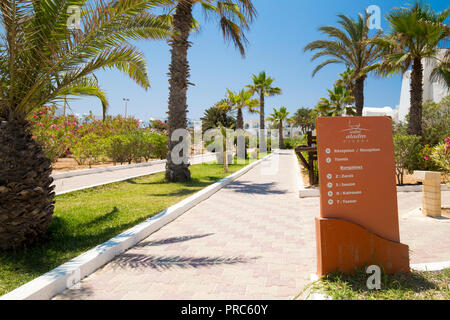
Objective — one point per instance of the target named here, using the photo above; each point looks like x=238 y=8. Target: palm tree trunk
x=179 y=74
x=262 y=125
x=26 y=191
x=280 y=133
x=262 y=116
x=239 y=120
x=415 y=112
x=358 y=93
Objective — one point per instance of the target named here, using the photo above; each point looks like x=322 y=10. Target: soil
x=69 y=164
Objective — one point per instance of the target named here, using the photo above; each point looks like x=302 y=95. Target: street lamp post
x=126 y=101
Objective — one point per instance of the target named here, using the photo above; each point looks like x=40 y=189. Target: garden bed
x=417 y=285
x=69 y=164
x=84 y=219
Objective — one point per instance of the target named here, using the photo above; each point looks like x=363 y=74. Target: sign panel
x=357 y=173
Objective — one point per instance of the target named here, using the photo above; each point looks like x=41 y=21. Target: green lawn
x=414 y=286
x=84 y=219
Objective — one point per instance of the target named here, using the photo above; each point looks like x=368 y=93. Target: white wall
x=432 y=90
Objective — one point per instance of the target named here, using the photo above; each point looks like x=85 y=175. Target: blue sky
x=277 y=39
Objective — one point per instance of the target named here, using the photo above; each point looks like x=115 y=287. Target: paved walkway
x=95 y=179
x=254 y=239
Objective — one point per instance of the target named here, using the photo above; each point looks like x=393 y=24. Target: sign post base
x=343 y=246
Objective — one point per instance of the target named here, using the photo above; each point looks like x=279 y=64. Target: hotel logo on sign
x=355 y=132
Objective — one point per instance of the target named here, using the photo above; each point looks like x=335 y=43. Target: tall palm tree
x=262 y=85
x=277 y=118
x=41 y=61
x=348 y=45
x=238 y=102
x=339 y=101
x=415 y=34
x=234 y=17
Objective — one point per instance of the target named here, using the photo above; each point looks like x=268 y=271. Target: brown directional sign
x=357 y=184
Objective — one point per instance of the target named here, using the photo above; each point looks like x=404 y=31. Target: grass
x=430 y=285
x=87 y=218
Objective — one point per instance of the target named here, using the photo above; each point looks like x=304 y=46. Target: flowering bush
x=55 y=134
x=119 y=139
x=109 y=127
x=441 y=155
x=159 y=126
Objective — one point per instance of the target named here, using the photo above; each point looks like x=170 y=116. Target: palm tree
x=263 y=86
x=415 y=34
x=348 y=46
x=215 y=115
x=339 y=101
x=238 y=102
x=41 y=61
x=277 y=118
x=442 y=70
x=234 y=17
x=347 y=79
x=304 y=119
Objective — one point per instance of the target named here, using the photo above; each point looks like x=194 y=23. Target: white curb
x=70 y=273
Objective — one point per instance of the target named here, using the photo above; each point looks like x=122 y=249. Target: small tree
x=215 y=115
x=304 y=119
x=406 y=148
x=277 y=118
x=339 y=102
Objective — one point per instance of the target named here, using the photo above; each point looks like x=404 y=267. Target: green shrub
x=121 y=148
x=159 y=146
x=88 y=149
x=441 y=156
x=407 y=149
x=292 y=143
x=436 y=121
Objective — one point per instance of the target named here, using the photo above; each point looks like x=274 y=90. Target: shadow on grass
x=161 y=263
x=194 y=182
x=61 y=243
x=357 y=282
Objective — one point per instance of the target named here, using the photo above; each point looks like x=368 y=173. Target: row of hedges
x=132 y=146
x=116 y=139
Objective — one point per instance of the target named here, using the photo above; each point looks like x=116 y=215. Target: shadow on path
x=161 y=263
x=255 y=188
x=171 y=240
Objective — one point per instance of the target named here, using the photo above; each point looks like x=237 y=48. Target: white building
x=385 y=111
x=432 y=90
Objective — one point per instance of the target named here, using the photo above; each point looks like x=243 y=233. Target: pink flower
x=427 y=158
